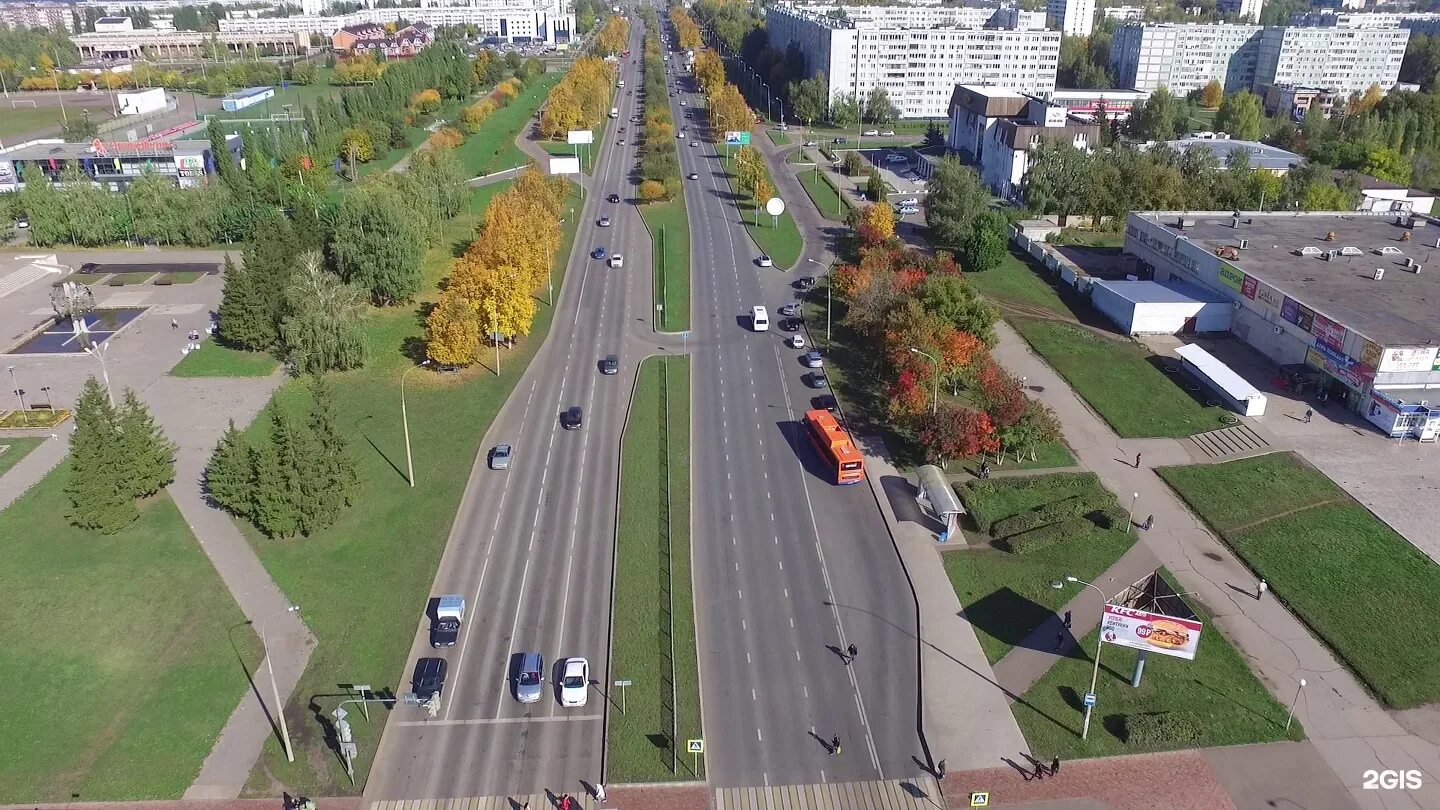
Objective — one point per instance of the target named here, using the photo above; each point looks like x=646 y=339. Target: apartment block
x=918 y=66
x=998 y=129
x=1073 y=18
x=529 y=21
x=1418 y=22
x=55 y=16
x=1347 y=60
x=1248 y=10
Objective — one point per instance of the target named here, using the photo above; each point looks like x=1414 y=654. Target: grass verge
x=33 y=418
x=1047 y=456
x=778 y=237
x=669 y=228
x=777 y=137
x=1215 y=698
x=128 y=279
x=12 y=450
x=141 y=654
x=832 y=204
x=644 y=625
x=493 y=147
x=364 y=633
x=214 y=360
x=1327 y=558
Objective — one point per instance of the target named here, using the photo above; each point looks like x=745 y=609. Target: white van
x=759 y=319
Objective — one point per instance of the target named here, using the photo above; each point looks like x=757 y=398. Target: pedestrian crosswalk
x=890 y=794
x=539 y=801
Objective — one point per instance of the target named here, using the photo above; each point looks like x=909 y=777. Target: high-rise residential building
x=508 y=20
x=1073 y=18
x=918 y=65
x=55 y=16
x=1247 y=10
x=312 y=8
x=1251 y=57
x=1417 y=22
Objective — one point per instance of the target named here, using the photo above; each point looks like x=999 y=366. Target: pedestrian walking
x=599 y=793
x=852 y=651
x=1137 y=461
x=835 y=745
x=1055 y=766
x=565 y=802
x=1261 y=589
x=940 y=769
x=174 y=324
x=1149 y=521
x=1039 y=770
x=1308 y=413
x=1067 y=620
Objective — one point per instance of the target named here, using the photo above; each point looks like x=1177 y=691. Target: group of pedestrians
x=567 y=802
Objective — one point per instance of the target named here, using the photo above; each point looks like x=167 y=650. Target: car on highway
x=428 y=679
x=614 y=198
x=500 y=456
x=610 y=365
x=574 y=682
x=870 y=133
x=682 y=102
x=622 y=130
x=694 y=144
x=812 y=359
x=791 y=324
x=603 y=222
x=912 y=201
x=617 y=262
x=597 y=253
x=572 y=418
x=889 y=133
x=811 y=143
x=790 y=309
x=694 y=175
x=680 y=135
x=529 y=677
x=759 y=319
x=765 y=261
x=622 y=142
x=796 y=341
x=816 y=379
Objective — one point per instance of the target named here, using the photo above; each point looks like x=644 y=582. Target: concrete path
x=967 y=718
x=36 y=465
x=819 y=234
x=1352 y=732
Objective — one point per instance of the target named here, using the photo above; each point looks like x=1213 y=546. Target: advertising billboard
x=190 y=165
x=737 y=138
x=1232 y=277
x=564 y=165
x=1156 y=632
x=579 y=136
x=1329 y=333
x=1419 y=359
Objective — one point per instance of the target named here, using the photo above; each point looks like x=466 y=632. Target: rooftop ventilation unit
x=1244 y=244
x=1351 y=251
x=1309 y=250
x=1379 y=273
x=1388 y=250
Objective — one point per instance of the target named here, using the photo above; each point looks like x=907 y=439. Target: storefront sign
x=1231 y=276
x=1268 y=294
x=1248 y=288
x=1156 y=632
x=1290 y=310
x=1422 y=359
x=1305 y=318
x=1329 y=333
x=1370 y=354
x=1342 y=368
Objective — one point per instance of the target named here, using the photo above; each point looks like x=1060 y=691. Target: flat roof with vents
x=1402 y=309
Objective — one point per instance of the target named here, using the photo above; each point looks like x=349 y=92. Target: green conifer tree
x=230 y=476
x=244 y=316
x=273 y=512
x=100 y=498
x=295 y=454
x=149 y=458
x=336 y=466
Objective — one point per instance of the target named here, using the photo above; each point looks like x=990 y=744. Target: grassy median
x=654 y=610
x=12 y=450
x=669 y=227
x=829 y=200
x=1330 y=561
x=779 y=237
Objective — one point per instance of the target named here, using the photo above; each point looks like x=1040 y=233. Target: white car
x=870 y=133
x=680 y=135
x=908 y=201
x=907 y=210
x=765 y=261
x=574 y=682
x=889 y=133
x=797 y=342
x=616 y=261
x=894 y=158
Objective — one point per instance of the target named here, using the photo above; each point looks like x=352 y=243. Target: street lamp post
x=405 y=423
x=935 y=403
x=1099 y=640
x=20 y=395
x=279 y=709
x=1290 y=715
x=98 y=352
x=1133 y=499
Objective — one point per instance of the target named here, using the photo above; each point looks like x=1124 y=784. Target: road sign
x=737 y=138
x=980 y=798
x=774 y=206
x=623 y=683
x=695 y=746
x=1089 y=699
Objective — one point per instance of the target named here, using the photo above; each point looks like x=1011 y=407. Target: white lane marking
x=495 y=721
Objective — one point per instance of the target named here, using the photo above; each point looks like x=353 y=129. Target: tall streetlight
x=1099 y=640
x=274 y=688
x=98 y=352
x=20 y=395
x=935 y=403
x=405 y=423
x=1290 y=715
x=825 y=275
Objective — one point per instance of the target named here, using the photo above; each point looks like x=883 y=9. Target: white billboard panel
x=580 y=136
x=564 y=165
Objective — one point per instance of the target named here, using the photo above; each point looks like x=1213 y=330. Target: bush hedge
x=986 y=504
x=1165 y=731
x=1053 y=512
x=1047 y=536
x=1111 y=517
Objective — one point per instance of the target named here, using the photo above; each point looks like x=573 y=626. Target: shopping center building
x=1350 y=298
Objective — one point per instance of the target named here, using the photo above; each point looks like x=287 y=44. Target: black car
x=610 y=365
x=841 y=140
x=429 y=677
x=571 y=418
x=805 y=282
x=614 y=198
x=791 y=324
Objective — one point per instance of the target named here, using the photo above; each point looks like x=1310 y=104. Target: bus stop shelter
x=938 y=498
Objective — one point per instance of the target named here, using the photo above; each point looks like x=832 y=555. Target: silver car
x=530 y=677
x=500 y=457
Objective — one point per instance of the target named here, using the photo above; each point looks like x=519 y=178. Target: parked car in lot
x=870 y=133
x=805 y=282
x=811 y=143
x=889 y=133
x=909 y=201
x=907 y=210
x=840 y=140
x=896 y=158
x=500 y=457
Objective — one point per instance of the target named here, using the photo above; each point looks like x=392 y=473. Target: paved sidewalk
x=967 y=718
x=1351 y=731
x=27 y=473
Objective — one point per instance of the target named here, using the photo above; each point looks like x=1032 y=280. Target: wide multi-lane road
x=531 y=548
x=789 y=568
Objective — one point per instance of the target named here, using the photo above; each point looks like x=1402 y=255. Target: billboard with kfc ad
x=1155 y=632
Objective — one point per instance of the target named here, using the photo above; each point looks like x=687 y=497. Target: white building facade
x=1349 y=60
x=1073 y=18
x=1248 y=10
x=917 y=66
x=529 y=21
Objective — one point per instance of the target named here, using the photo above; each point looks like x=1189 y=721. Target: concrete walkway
x=36 y=465
x=1352 y=732
x=819 y=234
x=967 y=720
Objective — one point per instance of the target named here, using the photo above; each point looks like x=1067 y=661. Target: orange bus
x=835 y=447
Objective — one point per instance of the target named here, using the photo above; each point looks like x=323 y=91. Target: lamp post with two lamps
x=1099 y=641
x=826 y=276
x=19 y=393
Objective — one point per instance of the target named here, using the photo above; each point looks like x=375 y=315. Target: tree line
x=659 y=163
x=580 y=99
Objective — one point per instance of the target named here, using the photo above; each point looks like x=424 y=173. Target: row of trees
x=491 y=290
x=687 y=32
x=751 y=174
x=613 y=37
x=659 y=163
x=580 y=100
x=475 y=115
x=117 y=456
x=294 y=480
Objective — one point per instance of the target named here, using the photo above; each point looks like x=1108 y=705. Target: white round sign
x=774 y=206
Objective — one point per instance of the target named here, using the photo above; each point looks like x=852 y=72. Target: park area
x=1025 y=532
x=88 y=718
x=778 y=237
x=1213 y=700
x=653 y=588
x=1332 y=562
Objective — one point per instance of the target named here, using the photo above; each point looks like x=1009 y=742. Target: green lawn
x=186 y=277
x=122 y=656
x=777 y=137
x=1013 y=282
x=295 y=95
x=827 y=198
x=671 y=262
x=129 y=279
x=778 y=237
x=1047 y=455
x=1088 y=238
x=31 y=418
x=364 y=609
x=214 y=360
x=1226 y=704
x=90 y=279
x=493 y=147
x=26 y=120
x=1328 y=559
x=643 y=618
x=16 y=449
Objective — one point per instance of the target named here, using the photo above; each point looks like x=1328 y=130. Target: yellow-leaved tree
x=452 y=331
